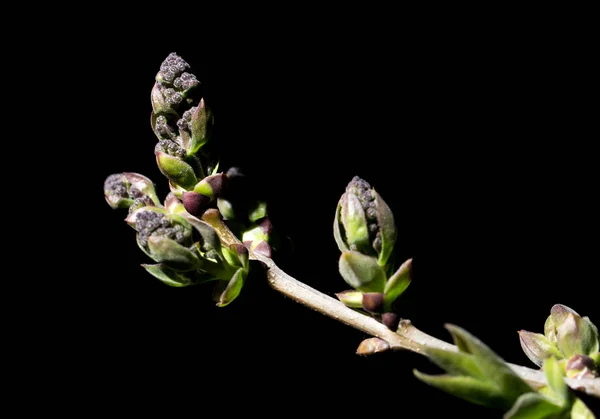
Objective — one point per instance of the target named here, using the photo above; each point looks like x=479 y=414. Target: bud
x=351 y=298
x=390 y=320
x=572 y=333
x=372 y=346
x=212 y=186
x=537 y=347
x=581 y=366
x=171 y=68
x=373 y=302
x=364 y=223
x=164 y=237
x=195 y=203
x=173 y=205
x=160 y=106
x=169 y=158
x=257 y=237
x=122 y=189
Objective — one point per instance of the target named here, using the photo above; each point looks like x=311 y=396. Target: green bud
x=257 y=236
x=164 y=237
x=176 y=170
x=173 y=204
x=122 y=189
x=364 y=223
x=159 y=104
x=581 y=366
x=537 y=347
x=351 y=298
x=163 y=130
x=362 y=272
x=576 y=335
x=372 y=346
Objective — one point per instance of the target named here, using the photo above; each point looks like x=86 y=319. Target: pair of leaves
x=477 y=374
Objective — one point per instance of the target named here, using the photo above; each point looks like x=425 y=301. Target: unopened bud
x=581 y=366
x=364 y=222
x=373 y=302
x=537 y=347
x=195 y=203
x=391 y=320
x=372 y=346
x=351 y=298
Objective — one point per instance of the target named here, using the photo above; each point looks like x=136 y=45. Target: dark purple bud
x=373 y=302
x=195 y=203
x=390 y=320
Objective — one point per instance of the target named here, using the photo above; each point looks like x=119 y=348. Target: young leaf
x=581 y=411
x=533 y=406
x=398 y=283
x=554 y=375
x=362 y=272
x=175 y=278
x=467 y=388
x=494 y=367
x=455 y=362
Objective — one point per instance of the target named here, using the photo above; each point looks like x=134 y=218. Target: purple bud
x=195 y=203
x=391 y=320
x=373 y=302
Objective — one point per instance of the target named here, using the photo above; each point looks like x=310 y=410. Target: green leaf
x=397 y=283
x=493 y=366
x=175 y=278
x=467 y=388
x=337 y=232
x=210 y=238
x=554 y=375
x=166 y=250
x=387 y=227
x=362 y=272
x=201 y=127
x=258 y=211
x=455 y=362
x=355 y=222
x=581 y=411
x=233 y=289
x=176 y=170
x=533 y=406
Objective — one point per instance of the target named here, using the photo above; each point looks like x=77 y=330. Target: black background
x=480 y=140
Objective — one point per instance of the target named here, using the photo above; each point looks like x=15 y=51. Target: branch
x=407 y=337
